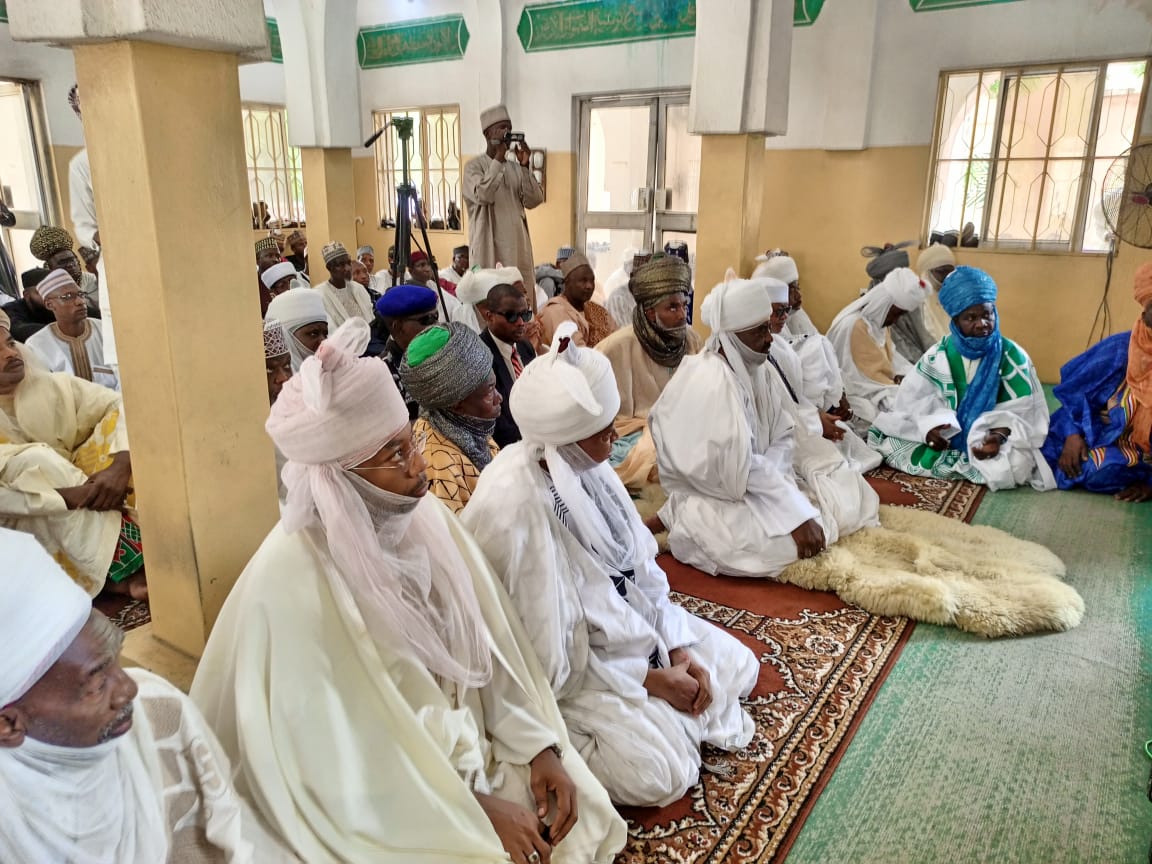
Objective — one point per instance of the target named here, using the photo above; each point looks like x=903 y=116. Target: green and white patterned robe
x=927 y=398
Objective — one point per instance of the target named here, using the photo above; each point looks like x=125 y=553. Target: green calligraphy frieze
x=933 y=5
x=583 y=23
x=805 y=12
x=274 y=40
x=423 y=40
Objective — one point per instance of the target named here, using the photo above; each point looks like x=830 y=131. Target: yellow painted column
x=164 y=138
x=728 y=217
x=330 y=204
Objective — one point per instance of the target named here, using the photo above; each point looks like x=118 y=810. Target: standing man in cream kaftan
x=641 y=683
x=972 y=408
x=365 y=674
x=497 y=191
x=727 y=452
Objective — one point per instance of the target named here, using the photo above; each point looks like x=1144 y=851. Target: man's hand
x=533 y=332
x=844 y=409
x=809 y=539
x=519 y=831
x=501 y=151
x=77 y=497
x=112 y=484
x=1074 y=454
x=675 y=686
x=935 y=438
x=989 y=448
x=1136 y=493
x=704 y=695
x=829 y=428
x=898 y=379
x=550 y=778
x=524 y=153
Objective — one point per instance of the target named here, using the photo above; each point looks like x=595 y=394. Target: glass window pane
x=1096 y=228
x=618 y=146
x=1124 y=82
x=1017 y=192
x=605 y=249
x=1056 y=210
x=1075 y=98
x=681 y=162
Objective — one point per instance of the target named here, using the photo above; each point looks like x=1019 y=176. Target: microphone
x=375 y=135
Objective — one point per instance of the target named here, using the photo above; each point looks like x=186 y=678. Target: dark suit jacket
x=507 y=432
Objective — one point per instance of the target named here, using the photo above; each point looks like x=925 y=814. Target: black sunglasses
x=427 y=319
x=512 y=317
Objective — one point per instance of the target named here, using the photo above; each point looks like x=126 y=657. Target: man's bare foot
x=135 y=586
x=653 y=524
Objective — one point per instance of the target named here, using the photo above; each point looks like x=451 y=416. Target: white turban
x=739 y=304
x=778 y=267
x=936 y=255
x=41 y=609
x=296 y=308
x=509 y=275
x=476 y=283
x=901 y=288
x=565 y=395
x=277 y=272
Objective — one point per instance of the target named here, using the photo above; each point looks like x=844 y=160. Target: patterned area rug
x=822 y=663
x=124 y=612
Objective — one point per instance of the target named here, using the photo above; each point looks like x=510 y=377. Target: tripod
x=408 y=201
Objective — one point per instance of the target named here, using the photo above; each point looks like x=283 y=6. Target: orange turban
x=1142 y=287
x=1140 y=364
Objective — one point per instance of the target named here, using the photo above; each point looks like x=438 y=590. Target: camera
x=513 y=137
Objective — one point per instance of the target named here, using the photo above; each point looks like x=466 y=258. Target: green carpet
x=1021 y=750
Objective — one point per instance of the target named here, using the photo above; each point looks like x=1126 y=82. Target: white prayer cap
x=777 y=267
x=41 y=612
x=565 y=395
x=277 y=272
x=739 y=304
x=476 y=283
x=904 y=288
x=509 y=275
x=493 y=115
x=297 y=307
x=57 y=280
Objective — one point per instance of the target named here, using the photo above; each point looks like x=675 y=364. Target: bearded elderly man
x=448 y=371
x=726 y=450
x=644 y=357
x=65 y=471
x=641 y=683
x=861 y=336
x=99 y=765
x=381 y=704
x=972 y=408
x=71 y=344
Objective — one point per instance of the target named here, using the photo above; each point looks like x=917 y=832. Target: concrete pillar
x=728 y=218
x=330 y=202
x=163 y=131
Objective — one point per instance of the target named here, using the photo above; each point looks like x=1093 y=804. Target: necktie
x=517 y=366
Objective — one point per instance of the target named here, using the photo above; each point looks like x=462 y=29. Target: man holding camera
x=497 y=190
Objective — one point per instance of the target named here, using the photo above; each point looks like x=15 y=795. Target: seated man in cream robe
x=861 y=336
x=448 y=371
x=727 y=452
x=972 y=408
x=644 y=357
x=365 y=675
x=641 y=683
x=72 y=344
x=65 y=471
x=823 y=384
x=99 y=765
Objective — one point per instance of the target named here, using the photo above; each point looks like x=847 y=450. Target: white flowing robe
x=866 y=354
x=496 y=195
x=56 y=352
x=596 y=645
x=351 y=301
x=82 y=207
x=357 y=755
x=162 y=792
x=726 y=458
x=823 y=383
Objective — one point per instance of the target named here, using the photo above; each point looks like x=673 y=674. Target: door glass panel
x=689 y=239
x=618 y=147
x=606 y=247
x=21 y=185
x=681 y=162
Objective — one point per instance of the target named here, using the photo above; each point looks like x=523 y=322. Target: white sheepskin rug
x=930 y=568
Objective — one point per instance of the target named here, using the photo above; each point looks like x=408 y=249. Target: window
x=1021 y=153
x=434 y=164
x=25 y=176
x=275 y=182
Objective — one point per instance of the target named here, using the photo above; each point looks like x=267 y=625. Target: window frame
x=386 y=191
x=995 y=159
x=293 y=173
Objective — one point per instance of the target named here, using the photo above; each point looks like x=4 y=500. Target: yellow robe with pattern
x=57 y=431
x=451 y=475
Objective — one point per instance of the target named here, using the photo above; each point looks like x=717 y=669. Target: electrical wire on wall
x=1103 y=319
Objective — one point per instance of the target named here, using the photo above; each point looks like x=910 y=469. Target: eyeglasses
x=70 y=297
x=513 y=317
x=404 y=457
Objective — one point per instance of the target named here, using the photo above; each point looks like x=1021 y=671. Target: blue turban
x=406 y=300
x=964 y=287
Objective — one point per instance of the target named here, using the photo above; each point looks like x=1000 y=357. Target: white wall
x=262 y=82
x=54 y=69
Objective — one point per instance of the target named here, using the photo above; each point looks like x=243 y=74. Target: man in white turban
x=472 y=292
x=934 y=266
x=100 y=765
x=302 y=314
x=364 y=673
x=861 y=335
x=497 y=191
x=640 y=682
x=726 y=448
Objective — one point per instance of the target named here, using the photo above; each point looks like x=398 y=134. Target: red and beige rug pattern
x=822 y=663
